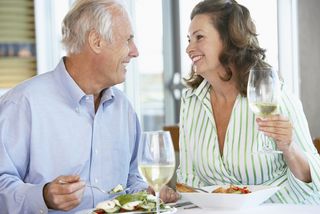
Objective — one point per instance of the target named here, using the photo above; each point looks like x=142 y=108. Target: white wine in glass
x=263 y=109
x=263 y=95
x=156 y=159
x=157 y=175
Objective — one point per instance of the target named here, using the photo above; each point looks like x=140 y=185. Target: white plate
x=170 y=211
x=258 y=195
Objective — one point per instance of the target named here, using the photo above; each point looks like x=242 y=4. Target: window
x=162 y=52
x=17 y=42
x=150 y=62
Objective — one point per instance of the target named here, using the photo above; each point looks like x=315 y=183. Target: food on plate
x=232 y=189
x=141 y=201
x=118 y=188
x=184 y=188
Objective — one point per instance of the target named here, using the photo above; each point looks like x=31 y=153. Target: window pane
x=150 y=62
x=264 y=15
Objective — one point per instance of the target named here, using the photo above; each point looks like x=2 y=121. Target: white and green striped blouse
x=201 y=163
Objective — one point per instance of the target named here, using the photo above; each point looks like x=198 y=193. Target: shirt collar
x=68 y=84
x=201 y=91
x=107 y=94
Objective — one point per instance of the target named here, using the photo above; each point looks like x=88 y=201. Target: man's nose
x=133 y=52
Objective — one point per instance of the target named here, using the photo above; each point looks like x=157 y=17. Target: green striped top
x=201 y=163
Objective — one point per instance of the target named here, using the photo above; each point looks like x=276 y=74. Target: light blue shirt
x=49 y=127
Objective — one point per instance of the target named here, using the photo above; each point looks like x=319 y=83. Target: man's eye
x=130 y=39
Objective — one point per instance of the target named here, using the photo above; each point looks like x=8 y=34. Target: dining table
x=261 y=209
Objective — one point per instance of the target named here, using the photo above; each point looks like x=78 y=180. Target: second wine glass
x=263 y=95
x=156 y=160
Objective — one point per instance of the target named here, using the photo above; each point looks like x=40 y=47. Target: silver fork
x=196 y=188
x=110 y=192
x=202 y=190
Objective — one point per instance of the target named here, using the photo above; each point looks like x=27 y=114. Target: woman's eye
x=199 y=37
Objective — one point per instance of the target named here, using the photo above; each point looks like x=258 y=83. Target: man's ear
x=95 y=41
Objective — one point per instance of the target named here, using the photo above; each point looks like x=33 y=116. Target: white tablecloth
x=262 y=209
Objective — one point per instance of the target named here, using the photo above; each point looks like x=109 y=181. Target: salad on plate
x=139 y=202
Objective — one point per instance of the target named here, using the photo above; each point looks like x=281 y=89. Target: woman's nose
x=189 y=48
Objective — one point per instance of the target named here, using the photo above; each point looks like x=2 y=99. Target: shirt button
x=41 y=211
x=87 y=98
x=96 y=180
x=77 y=109
x=96 y=151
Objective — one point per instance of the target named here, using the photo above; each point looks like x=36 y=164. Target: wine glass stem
x=266 y=146
x=158 y=202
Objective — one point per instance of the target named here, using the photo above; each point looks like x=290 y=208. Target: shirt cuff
x=34 y=198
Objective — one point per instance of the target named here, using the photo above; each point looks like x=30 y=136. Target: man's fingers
x=64 y=193
x=68 y=179
x=168 y=195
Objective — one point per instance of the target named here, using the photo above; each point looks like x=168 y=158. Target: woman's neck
x=223 y=91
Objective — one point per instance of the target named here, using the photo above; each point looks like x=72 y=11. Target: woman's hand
x=279 y=128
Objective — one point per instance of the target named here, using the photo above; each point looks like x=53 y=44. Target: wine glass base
x=266 y=152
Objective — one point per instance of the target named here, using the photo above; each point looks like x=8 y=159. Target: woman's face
x=204 y=46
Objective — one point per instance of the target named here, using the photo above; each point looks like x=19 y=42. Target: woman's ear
x=95 y=41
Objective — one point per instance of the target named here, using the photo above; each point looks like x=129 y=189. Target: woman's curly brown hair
x=240 y=44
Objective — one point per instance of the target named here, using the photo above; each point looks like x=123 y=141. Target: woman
x=219 y=134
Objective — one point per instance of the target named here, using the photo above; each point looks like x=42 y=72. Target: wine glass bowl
x=263 y=92
x=156 y=159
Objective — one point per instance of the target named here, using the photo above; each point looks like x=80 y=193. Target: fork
x=202 y=190
x=110 y=192
x=196 y=188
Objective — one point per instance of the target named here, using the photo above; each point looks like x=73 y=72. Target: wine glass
x=263 y=95
x=156 y=160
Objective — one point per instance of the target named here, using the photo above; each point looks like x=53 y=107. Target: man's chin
x=122 y=80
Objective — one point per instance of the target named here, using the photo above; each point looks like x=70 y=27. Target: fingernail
x=62 y=181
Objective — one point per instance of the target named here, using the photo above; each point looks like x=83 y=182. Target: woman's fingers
x=277 y=127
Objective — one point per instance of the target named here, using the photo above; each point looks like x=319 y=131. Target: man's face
x=117 y=54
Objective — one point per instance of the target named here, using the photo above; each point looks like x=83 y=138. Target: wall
x=309 y=60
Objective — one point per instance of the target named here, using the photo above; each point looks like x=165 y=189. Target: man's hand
x=64 y=193
x=167 y=194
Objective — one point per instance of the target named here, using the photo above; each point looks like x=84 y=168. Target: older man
x=70 y=127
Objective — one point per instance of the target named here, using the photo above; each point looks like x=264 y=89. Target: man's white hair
x=87 y=15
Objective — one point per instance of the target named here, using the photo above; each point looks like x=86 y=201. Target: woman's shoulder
x=289 y=96
x=199 y=91
x=290 y=102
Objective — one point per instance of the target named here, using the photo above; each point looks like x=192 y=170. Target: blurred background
x=30 y=34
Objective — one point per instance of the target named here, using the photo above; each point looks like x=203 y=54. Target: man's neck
x=83 y=75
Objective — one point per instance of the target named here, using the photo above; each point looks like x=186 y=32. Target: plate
x=258 y=195
x=169 y=211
